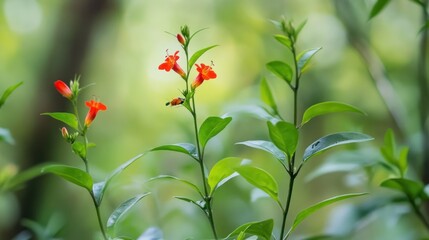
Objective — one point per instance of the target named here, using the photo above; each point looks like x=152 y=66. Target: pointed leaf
x=122 y=210
x=262 y=229
x=333 y=140
x=168 y=177
x=7 y=93
x=79 y=149
x=100 y=187
x=409 y=187
x=260 y=179
x=268 y=147
x=6 y=136
x=26 y=175
x=67 y=118
x=403 y=160
x=304 y=58
x=200 y=204
x=71 y=174
x=284 y=135
x=284 y=40
x=325 y=108
x=211 y=127
x=281 y=70
x=186 y=148
x=267 y=96
x=198 y=54
x=299 y=28
x=308 y=211
x=221 y=171
x=378 y=6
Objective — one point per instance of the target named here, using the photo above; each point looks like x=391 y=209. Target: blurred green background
x=118 y=45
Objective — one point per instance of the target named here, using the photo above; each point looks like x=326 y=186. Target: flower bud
x=185 y=31
x=63 y=89
x=181 y=39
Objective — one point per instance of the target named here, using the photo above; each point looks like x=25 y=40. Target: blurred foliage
x=126 y=45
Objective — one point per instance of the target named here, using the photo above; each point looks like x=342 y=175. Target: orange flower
x=94 y=107
x=170 y=62
x=63 y=89
x=205 y=72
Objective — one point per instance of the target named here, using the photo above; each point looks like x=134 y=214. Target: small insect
x=175 y=102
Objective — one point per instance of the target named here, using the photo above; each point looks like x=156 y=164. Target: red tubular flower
x=63 y=89
x=170 y=62
x=94 y=107
x=205 y=72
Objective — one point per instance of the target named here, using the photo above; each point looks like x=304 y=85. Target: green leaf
x=152 y=233
x=333 y=140
x=168 y=177
x=122 y=210
x=262 y=229
x=260 y=179
x=6 y=136
x=19 y=179
x=378 y=6
x=67 y=118
x=388 y=150
x=8 y=92
x=222 y=172
x=284 y=40
x=267 y=96
x=71 y=174
x=299 y=28
x=79 y=149
x=211 y=127
x=325 y=108
x=403 y=160
x=409 y=187
x=281 y=70
x=200 y=204
x=268 y=147
x=304 y=58
x=198 y=54
x=308 y=211
x=186 y=148
x=284 y=135
x=100 y=187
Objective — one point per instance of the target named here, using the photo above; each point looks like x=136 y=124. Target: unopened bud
x=181 y=39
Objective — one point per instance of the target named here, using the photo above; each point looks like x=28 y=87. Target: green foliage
x=267 y=96
x=99 y=188
x=284 y=40
x=211 y=127
x=397 y=162
x=411 y=188
x=333 y=140
x=326 y=108
x=21 y=178
x=284 y=135
x=79 y=148
x=222 y=172
x=260 y=179
x=168 y=177
x=71 y=174
x=268 y=147
x=308 y=211
x=186 y=148
x=198 y=54
x=122 y=210
x=67 y=118
x=262 y=229
x=304 y=58
x=8 y=92
x=281 y=70
x=376 y=9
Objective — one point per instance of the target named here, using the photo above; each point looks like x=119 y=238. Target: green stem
x=288 y=202
x=418 y=212
x=292 y=173
x=100 y=223
x=207 y=198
